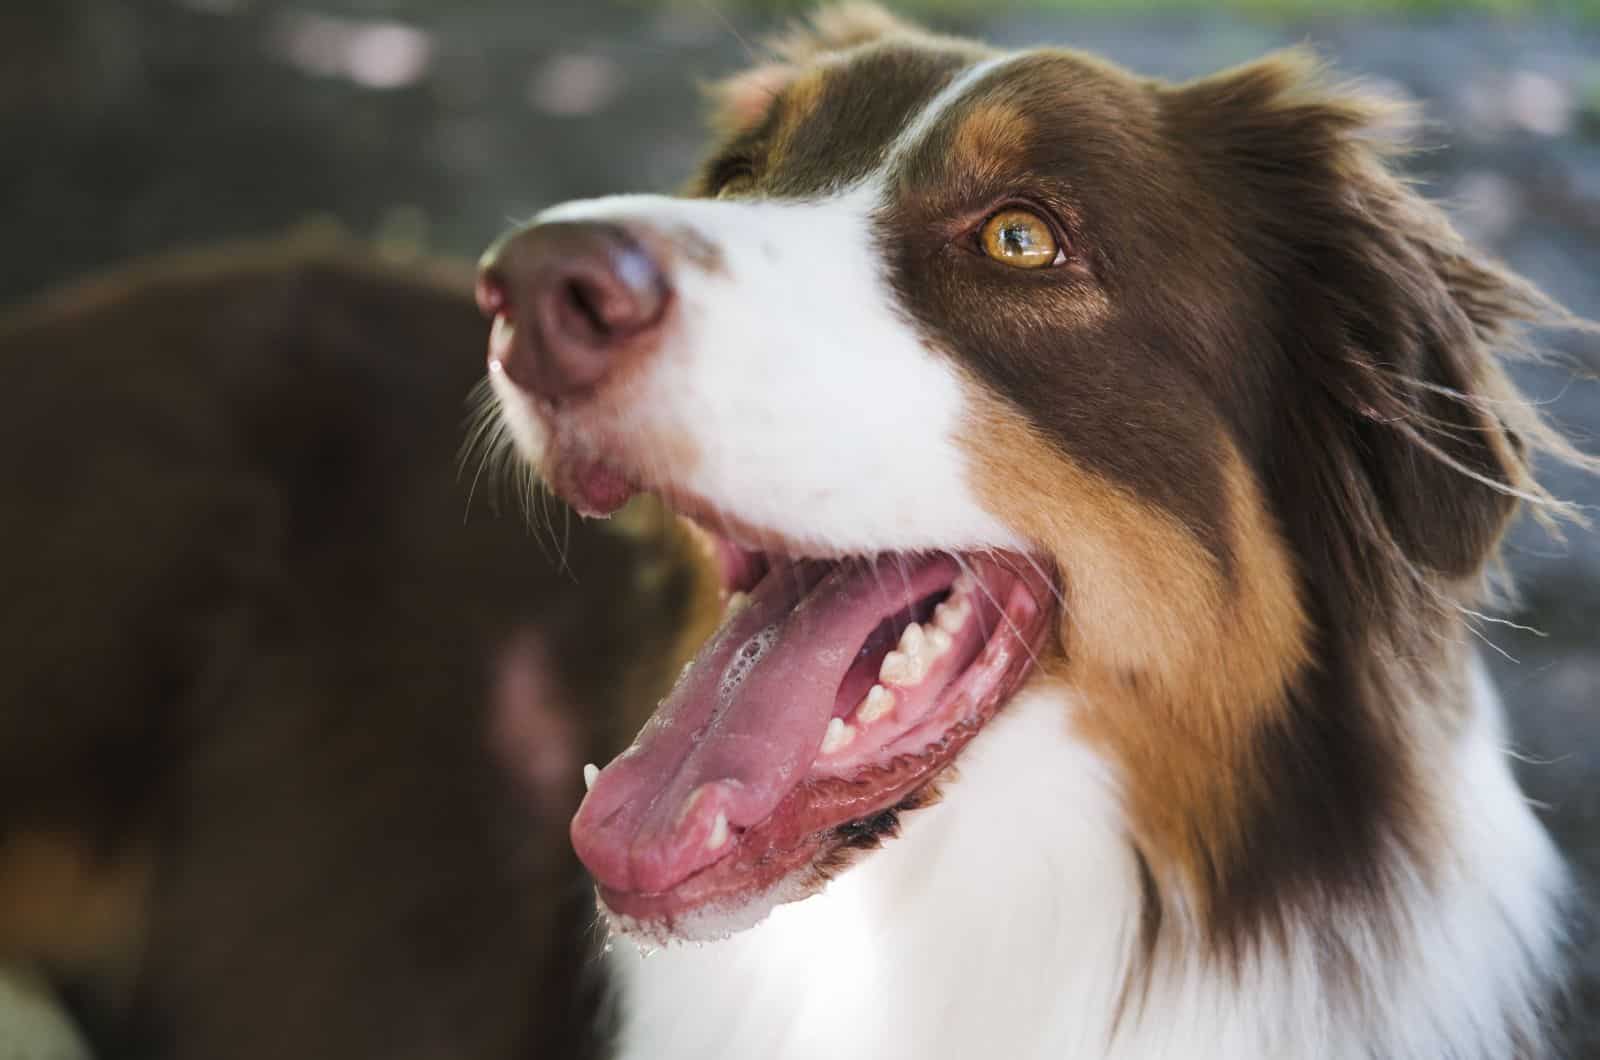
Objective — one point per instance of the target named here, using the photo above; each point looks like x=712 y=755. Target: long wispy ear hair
x=1407 y=424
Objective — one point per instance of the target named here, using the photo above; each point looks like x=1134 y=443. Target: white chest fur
x=1002 y=921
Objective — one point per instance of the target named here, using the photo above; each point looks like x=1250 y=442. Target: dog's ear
x=1374 y=302
x=1440 y=417
x=740 y=102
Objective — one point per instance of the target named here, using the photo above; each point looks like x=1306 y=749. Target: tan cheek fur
x=1178 y=665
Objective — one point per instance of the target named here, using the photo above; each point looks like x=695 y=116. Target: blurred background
x=135 y=126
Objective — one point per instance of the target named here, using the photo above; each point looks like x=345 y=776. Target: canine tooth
x=951 y=615
x=737 y=601
x=719 y=832
x=964 y=583
x=839 y=735
x=911 y=641
x=878 y=702
x=939 y=642
x=590 y=771
x=902 y=669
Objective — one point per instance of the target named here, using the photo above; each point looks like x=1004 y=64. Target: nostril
x=611 y=299
x=589 y=304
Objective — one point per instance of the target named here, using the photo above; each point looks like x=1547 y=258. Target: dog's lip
x=598 y=488
x=593 y=473
x=728 y=538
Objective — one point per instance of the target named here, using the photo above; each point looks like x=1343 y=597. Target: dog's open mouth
x=833 y=692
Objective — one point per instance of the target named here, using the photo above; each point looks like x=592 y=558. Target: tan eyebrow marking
x=989 y=139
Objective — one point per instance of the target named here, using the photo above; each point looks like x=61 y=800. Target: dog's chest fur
x=1005 y=921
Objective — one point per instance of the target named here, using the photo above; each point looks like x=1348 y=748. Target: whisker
x=565 y=552
x=483 y=430
x=750 y=51
x=1044 y=576
x=1501 y=651
x=1481 y=617
x=967 y=569
x=544 y=494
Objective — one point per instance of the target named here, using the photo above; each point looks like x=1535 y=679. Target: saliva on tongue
x=745 y=721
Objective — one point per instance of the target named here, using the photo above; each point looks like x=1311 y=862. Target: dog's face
x=974 y=363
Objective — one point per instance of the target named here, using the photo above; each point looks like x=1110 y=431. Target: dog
x=1102 y=474
x=293 y=721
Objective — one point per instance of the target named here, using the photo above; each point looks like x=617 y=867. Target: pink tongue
x=744 y=723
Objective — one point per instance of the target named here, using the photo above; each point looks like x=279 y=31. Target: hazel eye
x=1021 y=239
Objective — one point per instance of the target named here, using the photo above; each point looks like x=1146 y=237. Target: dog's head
x=972 y=363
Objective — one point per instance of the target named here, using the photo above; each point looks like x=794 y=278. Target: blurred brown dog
x=287 y=747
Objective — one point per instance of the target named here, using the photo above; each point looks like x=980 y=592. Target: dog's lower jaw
x=920 y=952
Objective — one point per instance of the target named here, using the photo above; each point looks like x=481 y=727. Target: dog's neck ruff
x=1006 y=921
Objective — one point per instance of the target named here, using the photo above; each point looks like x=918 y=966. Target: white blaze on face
x=812 y=403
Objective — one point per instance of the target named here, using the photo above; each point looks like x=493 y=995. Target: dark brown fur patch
x=1127 y=407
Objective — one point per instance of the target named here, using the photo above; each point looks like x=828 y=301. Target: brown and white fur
x=1253 y=802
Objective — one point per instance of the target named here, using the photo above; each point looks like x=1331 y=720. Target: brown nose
x=573 y=300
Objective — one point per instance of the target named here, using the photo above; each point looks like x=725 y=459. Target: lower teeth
x=879 y=701
x=839 y=735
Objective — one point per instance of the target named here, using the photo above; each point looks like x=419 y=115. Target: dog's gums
x=832 y=692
